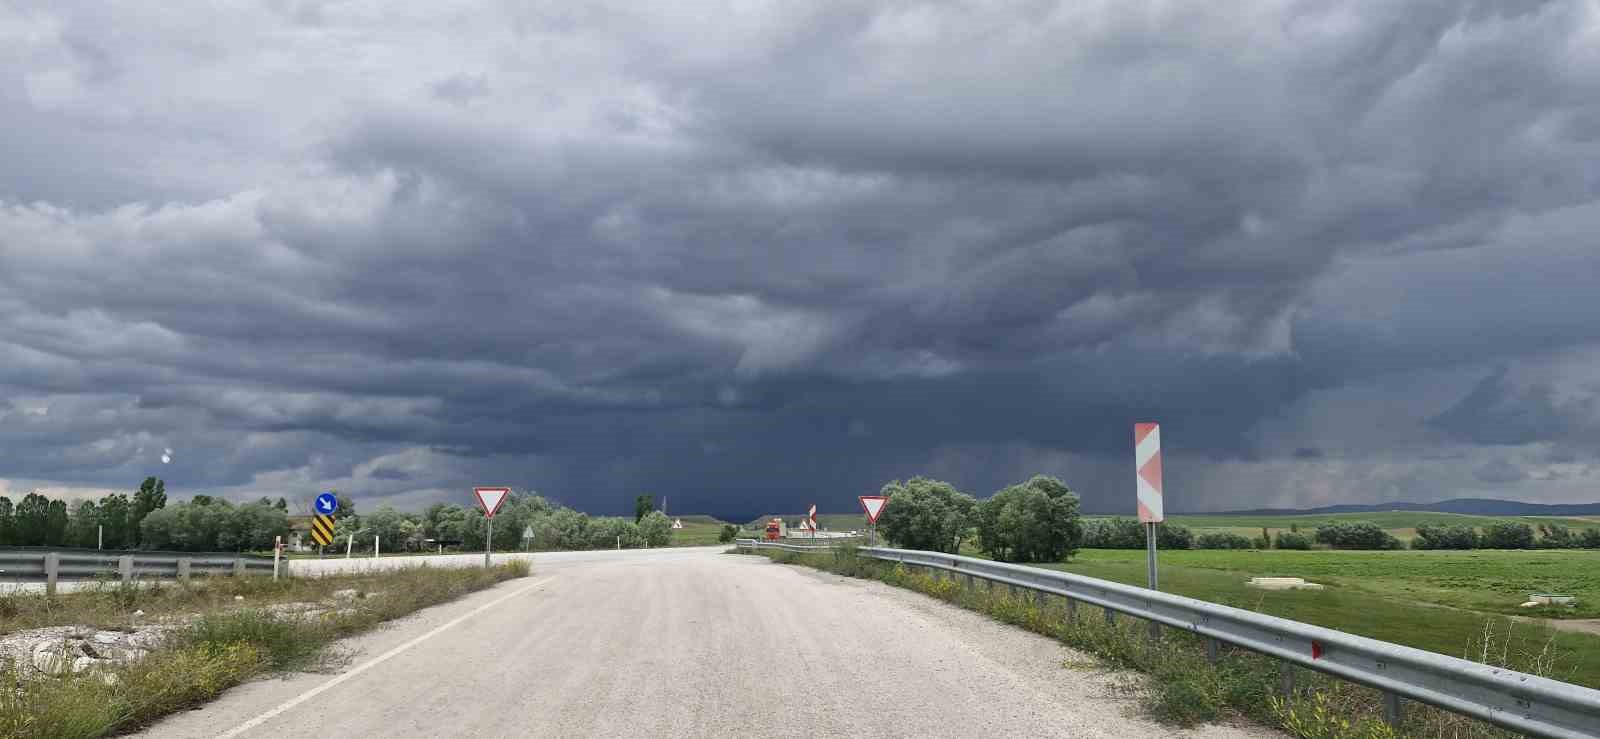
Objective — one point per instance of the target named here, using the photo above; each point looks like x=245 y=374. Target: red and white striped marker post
x=813 y=517
x=1147 y=472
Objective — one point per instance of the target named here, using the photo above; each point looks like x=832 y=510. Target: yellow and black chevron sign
x=322 y=529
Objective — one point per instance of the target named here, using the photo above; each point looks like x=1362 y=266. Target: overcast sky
x=757 y=255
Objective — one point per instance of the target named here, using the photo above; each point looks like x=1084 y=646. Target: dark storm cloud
x=750 y=258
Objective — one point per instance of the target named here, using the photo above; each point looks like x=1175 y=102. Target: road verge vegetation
x=208 y=636
x=1184 y=687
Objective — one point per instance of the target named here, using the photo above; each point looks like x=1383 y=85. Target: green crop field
x=1437 y=600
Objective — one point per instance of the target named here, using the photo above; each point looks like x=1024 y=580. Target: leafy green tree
x=282 y=504
x=1589 y=539
x=152 y=495
x=252 y=527
x=114 y=517
x=156 y=530
x=1035 y=521
x=926 y=514
x=656 y=528
x=729 y=533
x=8 y=523
x=604 y=533
x=642 y=505
x=1508 y=535
x=33 y=520
x=56 y=522
x=347 y=506
x=395 y=530
x=83 y=531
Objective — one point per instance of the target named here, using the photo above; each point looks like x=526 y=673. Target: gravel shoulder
x=696 y=643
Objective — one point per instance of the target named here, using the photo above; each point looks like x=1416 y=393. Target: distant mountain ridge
x=1469 y=506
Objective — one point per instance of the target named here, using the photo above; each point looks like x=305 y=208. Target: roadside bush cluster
x=1292 y=540
x=1223 y=540
x=1032 y=521
x=1356 y=535
x=1445 y=537
x=1128 y=533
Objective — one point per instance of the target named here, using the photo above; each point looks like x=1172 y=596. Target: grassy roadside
x=224 y=645
x=1184 y=688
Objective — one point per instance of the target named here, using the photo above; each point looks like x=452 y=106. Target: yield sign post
x=873 y=505
x=490 y=499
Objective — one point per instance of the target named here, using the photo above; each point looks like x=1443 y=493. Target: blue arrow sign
x=327 y=504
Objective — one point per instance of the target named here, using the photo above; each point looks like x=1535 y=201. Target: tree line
x=144 y=520
x=1033 y=521
x=1039 y=521
x=554 y=526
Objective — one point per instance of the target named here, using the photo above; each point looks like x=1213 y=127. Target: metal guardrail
x=1514 y=700
x=50 y=566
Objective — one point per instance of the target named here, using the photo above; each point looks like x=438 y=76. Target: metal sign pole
x=1150 y=551
x=277 y=551
x=488 y=543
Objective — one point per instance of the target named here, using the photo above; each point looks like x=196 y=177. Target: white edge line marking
x=374 y=662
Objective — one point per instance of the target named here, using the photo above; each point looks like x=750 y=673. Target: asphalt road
x=689 y=643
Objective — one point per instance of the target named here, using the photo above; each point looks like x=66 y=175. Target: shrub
x=926 y=514
x=656 y=528
x=1036 y=521
x=1174 y=536
x=1293 y=540
x=1508 y=535
x=1226 y=540
x=1431 y=536
x=1113 y=533
x=1589 y=539
x=1356 y=535
x=729 y=533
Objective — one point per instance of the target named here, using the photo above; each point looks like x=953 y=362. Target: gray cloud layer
x=753 y=257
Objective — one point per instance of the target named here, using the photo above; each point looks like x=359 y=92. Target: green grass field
x=1402 y=524
x=697 y=531
x=1440 y=601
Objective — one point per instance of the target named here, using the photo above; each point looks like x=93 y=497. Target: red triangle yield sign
x=490 y=499
x=873 y=505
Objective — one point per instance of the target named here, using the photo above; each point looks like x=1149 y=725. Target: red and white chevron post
x=1147 y=466
x=813 y=517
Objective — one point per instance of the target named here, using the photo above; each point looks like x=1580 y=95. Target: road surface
x=688 y=642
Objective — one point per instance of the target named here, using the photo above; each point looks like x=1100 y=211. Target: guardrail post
x=125 y=568
x=238 y=566
x=1072 y=611
x=1391 y=709
x=183 y=568
x=970 y=583
x=52 y=572
x=1111 y=616
x=1286 y=681
x=1211 y=650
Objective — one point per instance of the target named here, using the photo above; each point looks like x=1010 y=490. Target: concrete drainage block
x=1282 y=583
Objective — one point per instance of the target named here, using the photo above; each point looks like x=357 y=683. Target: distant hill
x=1468 y=506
